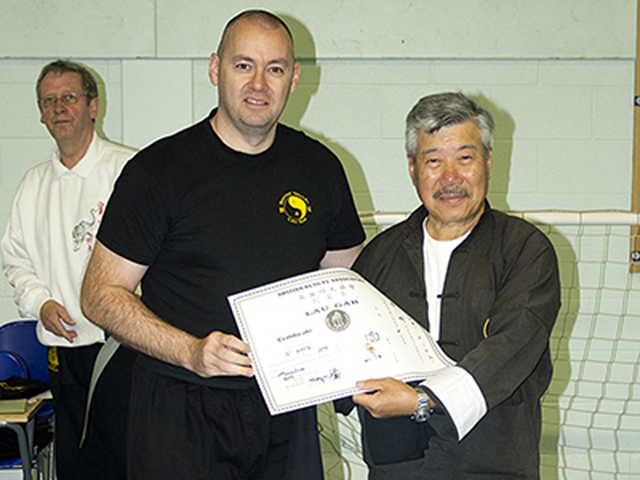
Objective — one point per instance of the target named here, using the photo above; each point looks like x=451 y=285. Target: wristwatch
x=424 y=409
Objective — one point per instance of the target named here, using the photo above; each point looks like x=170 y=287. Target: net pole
x=635 y=198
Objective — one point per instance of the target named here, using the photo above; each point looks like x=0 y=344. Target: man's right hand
x=54 y=317
x=220 y=354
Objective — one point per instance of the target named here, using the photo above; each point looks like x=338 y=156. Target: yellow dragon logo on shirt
x=295 y=207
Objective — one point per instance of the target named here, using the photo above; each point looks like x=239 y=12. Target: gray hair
x=433 y=112
x=60 y=67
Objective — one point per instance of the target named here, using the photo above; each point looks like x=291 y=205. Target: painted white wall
x=339 y=28
x=563 y=137
x=557 y=74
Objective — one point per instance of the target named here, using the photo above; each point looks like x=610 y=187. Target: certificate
x=314 y=335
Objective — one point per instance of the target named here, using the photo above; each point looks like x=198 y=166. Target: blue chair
x=12 y=365
x=22 y=354
x=19 y=337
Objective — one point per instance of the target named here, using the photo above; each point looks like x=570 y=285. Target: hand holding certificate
x=313 y=336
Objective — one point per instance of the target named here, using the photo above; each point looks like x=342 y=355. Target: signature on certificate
x=332 y=375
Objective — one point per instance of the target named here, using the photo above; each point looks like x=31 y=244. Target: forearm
x=108 y=300
x=122 y=314
x=340 y=258
x=30 y=293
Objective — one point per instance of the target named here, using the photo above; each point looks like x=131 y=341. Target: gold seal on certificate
x=314 y=335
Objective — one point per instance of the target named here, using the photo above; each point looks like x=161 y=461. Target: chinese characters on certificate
x=313 y=336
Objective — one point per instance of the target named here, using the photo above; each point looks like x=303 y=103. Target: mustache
x=451 y=191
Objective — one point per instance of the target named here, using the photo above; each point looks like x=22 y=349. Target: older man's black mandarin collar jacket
x=499 y=304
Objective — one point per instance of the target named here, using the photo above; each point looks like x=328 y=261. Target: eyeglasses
x=66 y=99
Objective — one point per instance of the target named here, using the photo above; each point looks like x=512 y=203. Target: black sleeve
x=346 y=229
x=136 y=217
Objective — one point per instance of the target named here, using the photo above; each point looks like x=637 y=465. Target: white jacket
x=51 y=231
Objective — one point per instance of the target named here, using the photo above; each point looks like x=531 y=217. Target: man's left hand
x=54 y=318
x=387 y=398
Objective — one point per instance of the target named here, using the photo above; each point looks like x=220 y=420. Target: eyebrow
x=245 y=58
x=52 y=94
x=459 y=149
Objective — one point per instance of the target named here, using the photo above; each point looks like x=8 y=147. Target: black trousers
x=180 y=430
x=103 y=456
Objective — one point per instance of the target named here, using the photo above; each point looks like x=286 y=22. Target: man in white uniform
x=45 y=248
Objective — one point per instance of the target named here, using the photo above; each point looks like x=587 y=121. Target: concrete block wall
x=563 y=137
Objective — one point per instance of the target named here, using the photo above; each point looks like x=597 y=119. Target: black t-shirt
x=209 y=221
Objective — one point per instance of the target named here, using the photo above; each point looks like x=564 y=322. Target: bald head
x=265 y=19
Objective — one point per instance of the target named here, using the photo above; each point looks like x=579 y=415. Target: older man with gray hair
x=45 y=248
x=486 y=286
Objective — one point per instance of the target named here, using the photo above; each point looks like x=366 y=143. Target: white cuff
x=38 y=302
x=461 y=396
